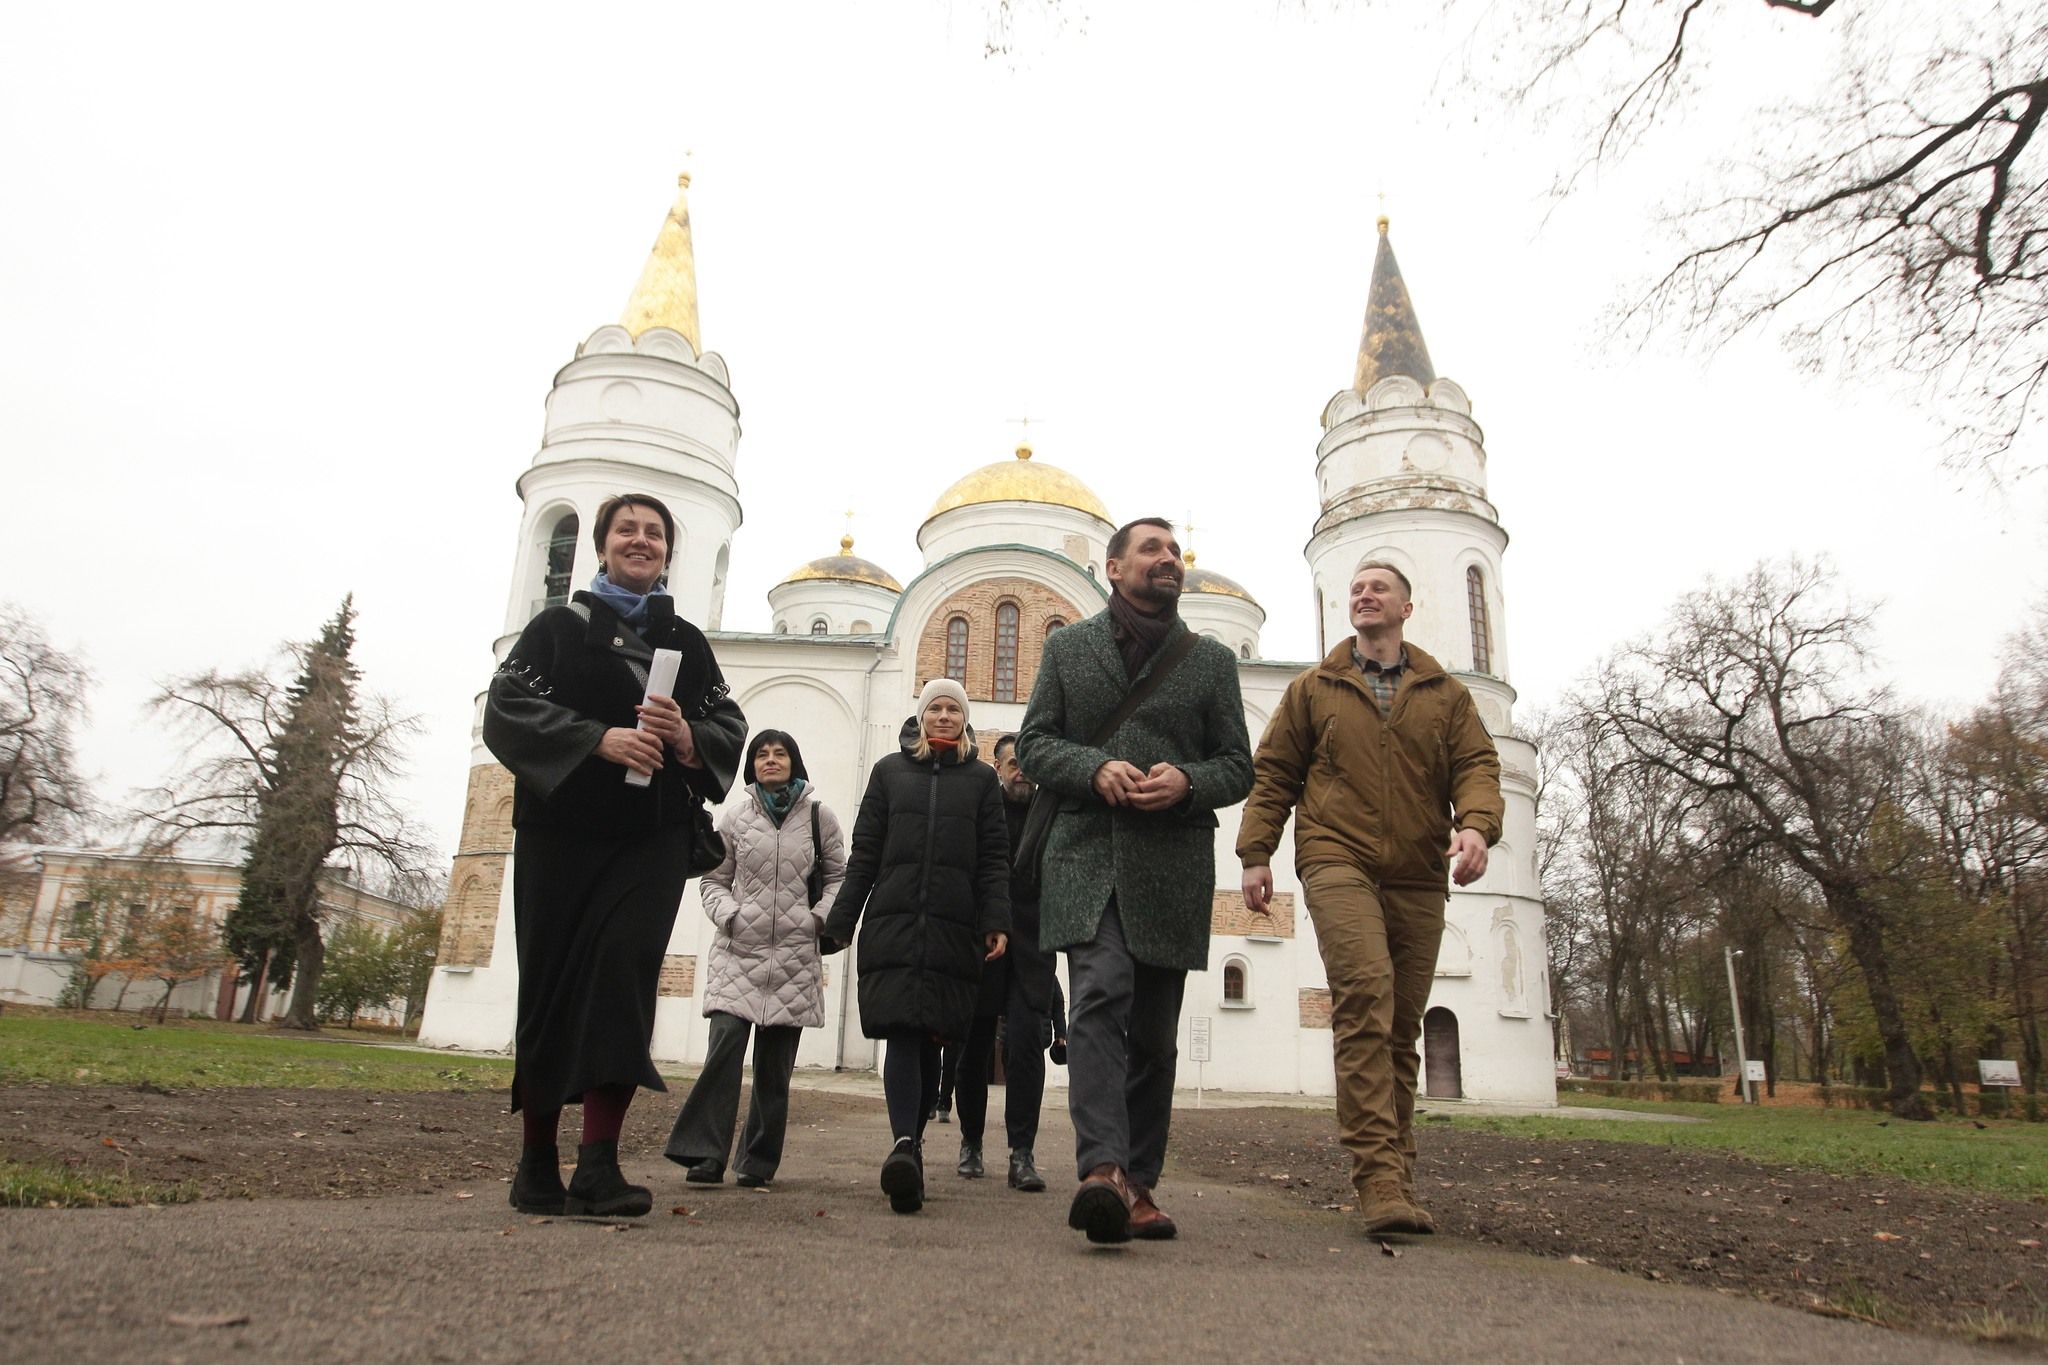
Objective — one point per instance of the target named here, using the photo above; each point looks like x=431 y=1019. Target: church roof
x=1392 y=340
x=844 y=567
x=1020 y=480
x=666 y=295
x=1202 y=580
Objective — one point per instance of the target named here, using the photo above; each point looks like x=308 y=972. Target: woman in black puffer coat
x=930 y=868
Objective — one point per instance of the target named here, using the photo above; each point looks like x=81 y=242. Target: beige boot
x=1386 y=1210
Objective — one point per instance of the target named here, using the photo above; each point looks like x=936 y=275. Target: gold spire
x=846 y=545
x=1392 y=341
x=666 y=295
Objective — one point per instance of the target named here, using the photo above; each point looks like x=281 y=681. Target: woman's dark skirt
x=592 y=917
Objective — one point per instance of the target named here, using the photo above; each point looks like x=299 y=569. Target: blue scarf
x=779 y=803
x=631 y=606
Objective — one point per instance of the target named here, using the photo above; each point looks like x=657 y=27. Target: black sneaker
x=903 y=1177
x=750 y=1182
x=706 y=1173
x=970 y=1167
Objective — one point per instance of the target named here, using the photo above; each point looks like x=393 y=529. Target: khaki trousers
x=1379 y=954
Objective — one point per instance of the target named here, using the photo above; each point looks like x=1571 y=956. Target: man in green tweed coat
x=1130 y=863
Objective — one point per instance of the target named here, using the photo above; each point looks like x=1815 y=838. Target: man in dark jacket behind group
x=1129 y=871
x=1375 y=750
x=1020 y=991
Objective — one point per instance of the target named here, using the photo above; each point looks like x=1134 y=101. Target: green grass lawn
x=2004 y=1156
x=115 y=1051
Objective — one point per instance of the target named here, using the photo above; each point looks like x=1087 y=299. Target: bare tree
x=297 y=774
x=1756 y=693
x=1890 y=213
x=42 y=697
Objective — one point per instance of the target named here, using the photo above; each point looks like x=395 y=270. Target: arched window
x=561 y=559
x=820 y=627
x=1482 y=638
x=1053 y=623
x=1006 y=652
x=1244 y=649
x=1235 y=982
x=782 y=627
x=1321 y=647
x=956 y=649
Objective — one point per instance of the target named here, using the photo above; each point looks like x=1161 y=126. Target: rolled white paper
x=661 y=681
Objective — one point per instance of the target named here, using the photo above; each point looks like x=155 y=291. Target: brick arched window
x=1006 y=652
x=956 y=648
x=1053 y=623
x=1482 y=638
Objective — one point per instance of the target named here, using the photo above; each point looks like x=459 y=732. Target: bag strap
x=1146 y=686
x=817 y=839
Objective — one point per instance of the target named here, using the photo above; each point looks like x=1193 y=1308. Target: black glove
x=829 y=945
x=1058 y=1051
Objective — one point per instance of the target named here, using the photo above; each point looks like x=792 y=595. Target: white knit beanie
x=941 y=687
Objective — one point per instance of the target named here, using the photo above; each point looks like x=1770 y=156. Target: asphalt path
x=818 y=1268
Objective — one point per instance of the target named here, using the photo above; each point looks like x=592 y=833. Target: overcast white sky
x=282 y=291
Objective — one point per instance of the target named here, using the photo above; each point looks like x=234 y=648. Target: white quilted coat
x=763 y=962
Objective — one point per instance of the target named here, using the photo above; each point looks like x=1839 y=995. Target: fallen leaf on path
x=2030 y=1243
x=681 y=1210
x=464 y=1194
x=1389 y=1249
x=1886 y=1236
x=209 y=1319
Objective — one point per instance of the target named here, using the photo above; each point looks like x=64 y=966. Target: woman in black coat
x=930 y=867
x=599 y=859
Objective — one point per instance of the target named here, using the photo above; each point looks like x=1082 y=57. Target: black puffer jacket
x=930 y=868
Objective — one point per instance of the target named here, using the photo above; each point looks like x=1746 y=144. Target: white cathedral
x=1012 y=551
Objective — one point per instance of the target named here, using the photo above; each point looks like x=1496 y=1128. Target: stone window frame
x=1242 y=966
x=1003 y=681
x=1475 y=608
x=958 y=636
x=558 y=558
x=820 y=626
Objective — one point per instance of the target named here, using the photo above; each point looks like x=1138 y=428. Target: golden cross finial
x=1023 y=425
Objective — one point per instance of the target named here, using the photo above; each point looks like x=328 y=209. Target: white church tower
x=1401 y=474
x=641 y=408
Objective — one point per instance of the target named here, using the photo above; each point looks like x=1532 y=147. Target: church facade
x=1010 y=552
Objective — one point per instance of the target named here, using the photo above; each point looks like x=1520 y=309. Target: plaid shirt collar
x=1382 y=679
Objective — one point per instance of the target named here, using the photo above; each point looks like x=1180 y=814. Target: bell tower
x=1401 y=478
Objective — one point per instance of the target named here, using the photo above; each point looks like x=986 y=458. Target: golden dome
x=1201 y=580
x=844 y=567
x=1020 y=480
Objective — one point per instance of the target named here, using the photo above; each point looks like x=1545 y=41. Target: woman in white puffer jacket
x=762 y=972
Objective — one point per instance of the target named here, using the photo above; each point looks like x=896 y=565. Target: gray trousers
x=703 y=1130
x=1122 y=1047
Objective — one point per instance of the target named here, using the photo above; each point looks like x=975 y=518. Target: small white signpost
x=1198 y=1049
x=1753 y=1070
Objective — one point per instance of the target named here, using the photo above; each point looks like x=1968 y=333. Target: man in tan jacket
x=1375 y=750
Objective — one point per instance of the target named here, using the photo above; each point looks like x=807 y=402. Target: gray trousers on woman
x=1123 y=1045
x=703 y=1130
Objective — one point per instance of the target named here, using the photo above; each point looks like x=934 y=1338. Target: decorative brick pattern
x=678 y=976
x=1227 y=915
x=487 y=811
x=1315 y=1007
x=469 y=920
x=1036 y=604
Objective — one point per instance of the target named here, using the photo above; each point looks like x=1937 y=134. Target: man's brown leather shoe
x=1102 y=1206
x=1149 y=1222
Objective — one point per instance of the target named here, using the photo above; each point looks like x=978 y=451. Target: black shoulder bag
x=1025 y=868
x=814 y=880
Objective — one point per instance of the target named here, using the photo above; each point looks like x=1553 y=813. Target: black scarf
x=1138 y=636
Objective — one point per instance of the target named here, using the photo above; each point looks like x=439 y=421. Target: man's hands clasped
x=1121 y=784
